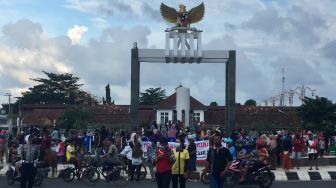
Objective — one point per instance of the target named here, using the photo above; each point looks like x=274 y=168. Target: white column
x=183 y=103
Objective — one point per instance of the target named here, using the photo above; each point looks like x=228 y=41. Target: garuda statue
x=182 y=18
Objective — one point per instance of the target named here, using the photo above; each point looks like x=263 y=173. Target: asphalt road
x=59 y=183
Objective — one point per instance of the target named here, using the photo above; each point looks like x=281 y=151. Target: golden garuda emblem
x=182 y=18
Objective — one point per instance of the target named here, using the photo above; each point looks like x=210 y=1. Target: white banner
x=202 y=148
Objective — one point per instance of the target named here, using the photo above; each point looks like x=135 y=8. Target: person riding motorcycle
x=257 y=158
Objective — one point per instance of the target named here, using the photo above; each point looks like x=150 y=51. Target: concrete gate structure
x=184 y=45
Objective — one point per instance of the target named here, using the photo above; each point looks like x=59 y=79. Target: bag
x=137 y=151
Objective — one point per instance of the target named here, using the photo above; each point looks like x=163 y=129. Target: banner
x=202 y=148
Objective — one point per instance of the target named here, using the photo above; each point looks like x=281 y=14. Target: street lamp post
x=301 y=91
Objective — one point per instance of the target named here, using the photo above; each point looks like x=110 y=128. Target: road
x=58 y=183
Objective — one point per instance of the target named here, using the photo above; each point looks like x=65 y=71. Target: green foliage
x=213 y=103
x=77 y=118
x=318 y=113
x=152 y=96
x=250 y=102
x=57 y=89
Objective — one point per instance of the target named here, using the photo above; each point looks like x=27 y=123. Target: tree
x=57 y=89
x=152 y=96
x=213 y=103
x=108 y=94
x=77 y=118
x=250 y=102
x=318 y=113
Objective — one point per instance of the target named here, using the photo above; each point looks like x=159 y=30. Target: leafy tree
x=77 y=118
x=108 y=94
x=57 y=89
x=152 y=96
x=318 y=113
x=250 y=102
x=213 y=103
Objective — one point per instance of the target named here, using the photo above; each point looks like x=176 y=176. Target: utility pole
x=9 y=103
x=282 y=95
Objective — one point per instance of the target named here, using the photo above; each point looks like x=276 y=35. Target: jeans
x=28 y=172
x=163 y=179
x=216 y=181
x=151 y=168
x=180 y=178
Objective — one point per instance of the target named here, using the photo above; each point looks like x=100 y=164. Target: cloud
x=75 y=33
x=267 y=36
x=102 y=7
x=329 y=50
x=23 y=34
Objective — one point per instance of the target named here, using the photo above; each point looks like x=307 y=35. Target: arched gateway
x=184 y=45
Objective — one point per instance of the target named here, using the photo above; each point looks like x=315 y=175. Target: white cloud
x=75 y=33
x=268 y=36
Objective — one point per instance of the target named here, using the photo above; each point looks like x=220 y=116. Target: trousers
x=163 y=179
x=28 y=172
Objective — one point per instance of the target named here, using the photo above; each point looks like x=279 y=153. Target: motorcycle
x=257 y=174
x=12 y=174
x=205 y=177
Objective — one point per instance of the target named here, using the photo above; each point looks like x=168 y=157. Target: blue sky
x=268 y=35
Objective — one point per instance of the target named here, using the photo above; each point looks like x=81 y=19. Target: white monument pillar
x=183 y=104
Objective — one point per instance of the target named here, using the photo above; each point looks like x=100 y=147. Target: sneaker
x=317 y=168
x=310 y=168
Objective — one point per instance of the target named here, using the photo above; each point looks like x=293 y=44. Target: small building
x=180 y=106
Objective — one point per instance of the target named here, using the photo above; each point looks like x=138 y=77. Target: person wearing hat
x=29 y=154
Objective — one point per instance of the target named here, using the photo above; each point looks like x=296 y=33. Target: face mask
x=178 y=144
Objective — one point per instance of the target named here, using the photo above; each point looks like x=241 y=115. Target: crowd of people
x=167 y=165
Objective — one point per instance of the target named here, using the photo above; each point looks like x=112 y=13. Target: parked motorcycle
x=12 y=174
x=258 y=174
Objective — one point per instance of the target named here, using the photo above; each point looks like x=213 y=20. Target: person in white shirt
x=133 y=152
x=312 y=151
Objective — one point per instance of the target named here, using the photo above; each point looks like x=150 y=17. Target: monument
x=184 y=45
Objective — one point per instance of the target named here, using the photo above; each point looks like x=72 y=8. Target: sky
x=92 y=39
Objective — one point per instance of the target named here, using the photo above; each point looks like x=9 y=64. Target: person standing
x=180 y=168
x=192 y=153
x=312 y=151
x=29 y=154
x=218 y=161
x=136 y=158
x=150 y=159
x=163 y=161
x=298 y=144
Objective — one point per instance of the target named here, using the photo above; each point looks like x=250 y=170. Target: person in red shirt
x=163 y=160
x=298 y=144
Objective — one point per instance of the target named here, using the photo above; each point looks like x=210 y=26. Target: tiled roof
x=170 y=103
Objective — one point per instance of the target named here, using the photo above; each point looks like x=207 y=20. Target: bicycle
x=143 y=170
x=118 y=174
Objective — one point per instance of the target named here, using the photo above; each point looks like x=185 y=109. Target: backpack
x=137 y=151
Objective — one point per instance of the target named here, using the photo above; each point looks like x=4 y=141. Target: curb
x=302 y=175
